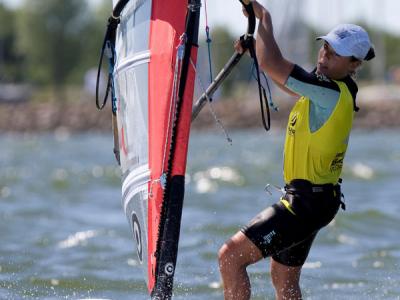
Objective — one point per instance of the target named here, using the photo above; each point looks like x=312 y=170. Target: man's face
x=333 y=65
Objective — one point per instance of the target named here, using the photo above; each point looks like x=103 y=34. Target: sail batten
x=133 y=61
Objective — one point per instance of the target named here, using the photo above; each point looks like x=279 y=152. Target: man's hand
x=238 y=46
x=259 y=10
x=268 y=53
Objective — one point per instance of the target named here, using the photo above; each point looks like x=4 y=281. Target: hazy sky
x=321 y=13
x=324 y=14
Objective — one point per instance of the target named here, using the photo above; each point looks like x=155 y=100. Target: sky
x=323 y=14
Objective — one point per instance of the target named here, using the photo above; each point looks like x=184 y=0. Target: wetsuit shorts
x=287 y=229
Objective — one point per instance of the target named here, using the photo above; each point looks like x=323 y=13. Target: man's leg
x=234 y=256
x=286 y=281
x=286 y=268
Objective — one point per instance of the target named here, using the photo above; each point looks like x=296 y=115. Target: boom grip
x=251 y=26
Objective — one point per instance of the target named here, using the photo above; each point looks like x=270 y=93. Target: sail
x=154 y=80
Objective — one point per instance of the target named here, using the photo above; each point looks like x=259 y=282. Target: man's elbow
x=272 y=71
x=263 y=64
x=267 y=66
x=277 y=70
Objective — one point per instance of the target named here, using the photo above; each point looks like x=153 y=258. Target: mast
x=169 y=227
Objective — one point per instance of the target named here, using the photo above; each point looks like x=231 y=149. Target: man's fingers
x=258 y=9
x=245 y=12
x=238 y=46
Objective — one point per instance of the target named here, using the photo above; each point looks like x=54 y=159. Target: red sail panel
x=167 y=25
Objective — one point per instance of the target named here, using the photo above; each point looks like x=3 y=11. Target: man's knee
x=238 y=253
x=226 y=255
x=223 y=252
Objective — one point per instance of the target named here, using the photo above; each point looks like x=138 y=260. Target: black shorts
x=287 y=229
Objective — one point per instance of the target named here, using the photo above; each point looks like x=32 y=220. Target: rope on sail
x=212 y=110
x=173 y=102
x=208 y=40
x=108 y=50
x=247 y=42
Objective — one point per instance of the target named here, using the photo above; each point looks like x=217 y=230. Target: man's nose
x=324 y=56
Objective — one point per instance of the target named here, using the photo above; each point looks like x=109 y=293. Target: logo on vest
x=337 y=162
x=292 y=124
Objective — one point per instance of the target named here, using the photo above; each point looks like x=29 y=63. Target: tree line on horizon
x=50 y=43
x=54 y=43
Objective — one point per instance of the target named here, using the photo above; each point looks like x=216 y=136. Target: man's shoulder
x=313 y=78
x=351 y=85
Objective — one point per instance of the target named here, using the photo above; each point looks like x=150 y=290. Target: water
x=64 y=234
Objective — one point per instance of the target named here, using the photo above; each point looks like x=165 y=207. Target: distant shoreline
x=81 y=116
x=246 y=114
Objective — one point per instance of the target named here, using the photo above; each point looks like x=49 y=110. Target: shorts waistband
x=307 y=186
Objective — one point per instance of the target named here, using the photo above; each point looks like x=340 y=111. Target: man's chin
x=321 y=71
x=321 y=74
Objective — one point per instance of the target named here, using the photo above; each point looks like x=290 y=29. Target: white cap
x=348 y=40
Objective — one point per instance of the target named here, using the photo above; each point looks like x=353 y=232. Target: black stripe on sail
x=167 y=249
x=171 y=211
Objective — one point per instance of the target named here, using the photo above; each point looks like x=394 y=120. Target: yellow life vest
x=318 y=156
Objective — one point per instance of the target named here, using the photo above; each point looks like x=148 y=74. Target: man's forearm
x=268 y=53
x=267 y=49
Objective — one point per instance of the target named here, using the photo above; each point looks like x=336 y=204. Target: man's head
x=345 y=47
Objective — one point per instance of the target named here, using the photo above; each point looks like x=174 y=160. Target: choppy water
x=64 y=234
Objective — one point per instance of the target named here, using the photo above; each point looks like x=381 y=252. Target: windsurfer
x=316 y=142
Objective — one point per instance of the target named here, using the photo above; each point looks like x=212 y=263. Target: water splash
x=78 y=238
x=362 y=171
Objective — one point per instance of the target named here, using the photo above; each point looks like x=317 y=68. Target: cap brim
x=335 y=46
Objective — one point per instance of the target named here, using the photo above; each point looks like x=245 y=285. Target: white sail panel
x=131 y=87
